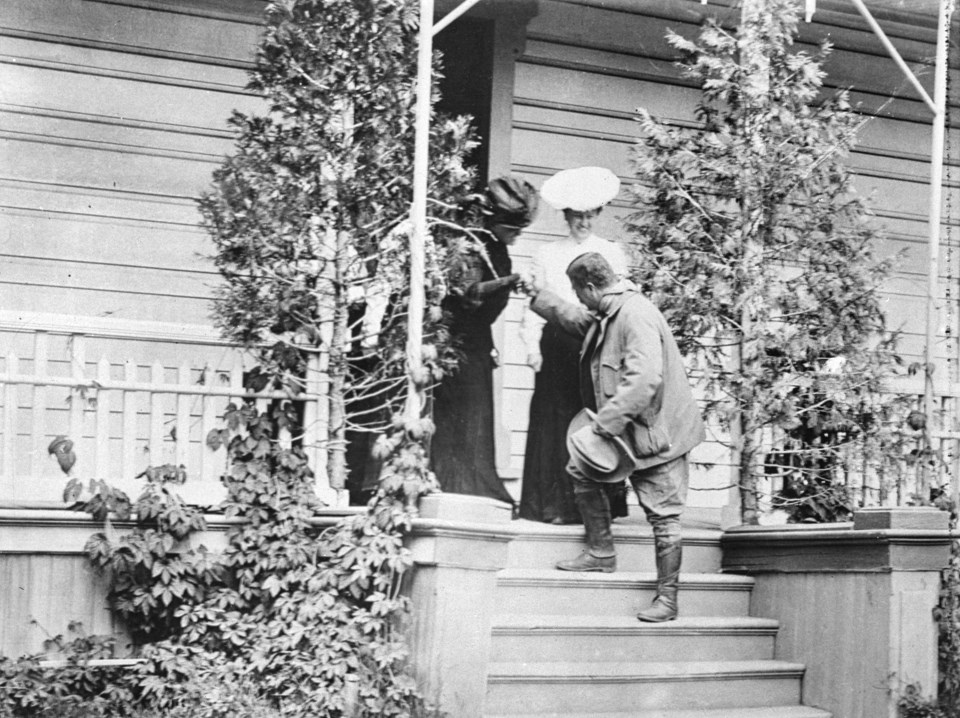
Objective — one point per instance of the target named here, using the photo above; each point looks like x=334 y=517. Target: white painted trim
x=105 y=328
x=64 y=532
x=211 y=9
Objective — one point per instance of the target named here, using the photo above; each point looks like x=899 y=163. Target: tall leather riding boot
x=664 y=606
x=600 y=554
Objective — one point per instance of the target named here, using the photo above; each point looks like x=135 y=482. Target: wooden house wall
x=113 y=121
x=114 y=116
x=587 y=67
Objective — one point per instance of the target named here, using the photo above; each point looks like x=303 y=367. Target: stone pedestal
x=855 y=602
x=458 y=543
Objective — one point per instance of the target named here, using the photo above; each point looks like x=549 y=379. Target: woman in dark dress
x=462 y=448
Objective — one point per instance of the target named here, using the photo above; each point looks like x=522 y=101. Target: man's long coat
x=632 y=372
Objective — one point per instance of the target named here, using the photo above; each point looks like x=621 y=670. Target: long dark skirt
x=462 y=449
x=547 y=491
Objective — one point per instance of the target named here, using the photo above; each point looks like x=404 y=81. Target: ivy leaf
x=214 y=439
x=72 y=491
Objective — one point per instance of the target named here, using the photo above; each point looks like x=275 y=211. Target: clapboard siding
x=172 y=29
x=28 y=616
x=110 y=241
x=95 y=133
x=585 y=71
x=136 y=170
x=113 y=118
x=45 y=198
x=138 y=95
x=614 y=41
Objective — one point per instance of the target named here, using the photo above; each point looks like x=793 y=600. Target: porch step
x=537 y=638
x=552 y=592
x=629 y=686
x=764 y=712
x=538 y=545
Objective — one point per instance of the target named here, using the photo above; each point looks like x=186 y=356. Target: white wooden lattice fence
x=867 y=486
x=122 y=415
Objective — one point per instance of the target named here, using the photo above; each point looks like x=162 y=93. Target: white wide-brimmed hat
x=580 y=189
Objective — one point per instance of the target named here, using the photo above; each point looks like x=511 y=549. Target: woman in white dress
x=546 y=492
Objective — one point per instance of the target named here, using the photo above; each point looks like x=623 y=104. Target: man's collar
x=614 y=296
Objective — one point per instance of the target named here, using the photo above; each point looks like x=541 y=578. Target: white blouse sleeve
x=531 y=323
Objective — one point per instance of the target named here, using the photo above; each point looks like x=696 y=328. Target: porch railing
x=913 y=477
x=124 y=414
x=131 y=408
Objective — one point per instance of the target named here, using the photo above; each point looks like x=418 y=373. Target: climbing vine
x=290 y=619
x=947 y=614
x=307 y=218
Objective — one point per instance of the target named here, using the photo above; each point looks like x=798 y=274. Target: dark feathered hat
x=510 y=200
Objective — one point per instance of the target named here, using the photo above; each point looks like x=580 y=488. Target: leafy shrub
x=912 y=704
x=74 y=688
x=152 y=575
x=288 y=620
x=947 y=614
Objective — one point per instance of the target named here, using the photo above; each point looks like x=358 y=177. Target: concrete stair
x=568 y=645
x=764 y=712
x=605 y=638
x=542 y=545
x=553 y=592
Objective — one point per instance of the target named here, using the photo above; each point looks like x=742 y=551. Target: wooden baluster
x=855 y=481
x=284 y=437
x=315 y=422
x=236 y=384
x=77 y=396
x=182 y=425
x=39 y=424
x=871 y=484
x=101 y=432
x=129 y=438
x=236 y=379
x=156 y=415
x=9 y=424
x=211 y=462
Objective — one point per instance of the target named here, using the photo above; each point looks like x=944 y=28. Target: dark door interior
x=467 y=83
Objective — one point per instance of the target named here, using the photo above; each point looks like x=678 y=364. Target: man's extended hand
x=529 y=284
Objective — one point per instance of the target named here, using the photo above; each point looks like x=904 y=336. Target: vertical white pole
x=418 y=212
x=936 y=200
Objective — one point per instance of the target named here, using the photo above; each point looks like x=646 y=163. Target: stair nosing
x=537 y=576
x=564 y=624
x=540 y=531
x=618 y=672
x=790 y=711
